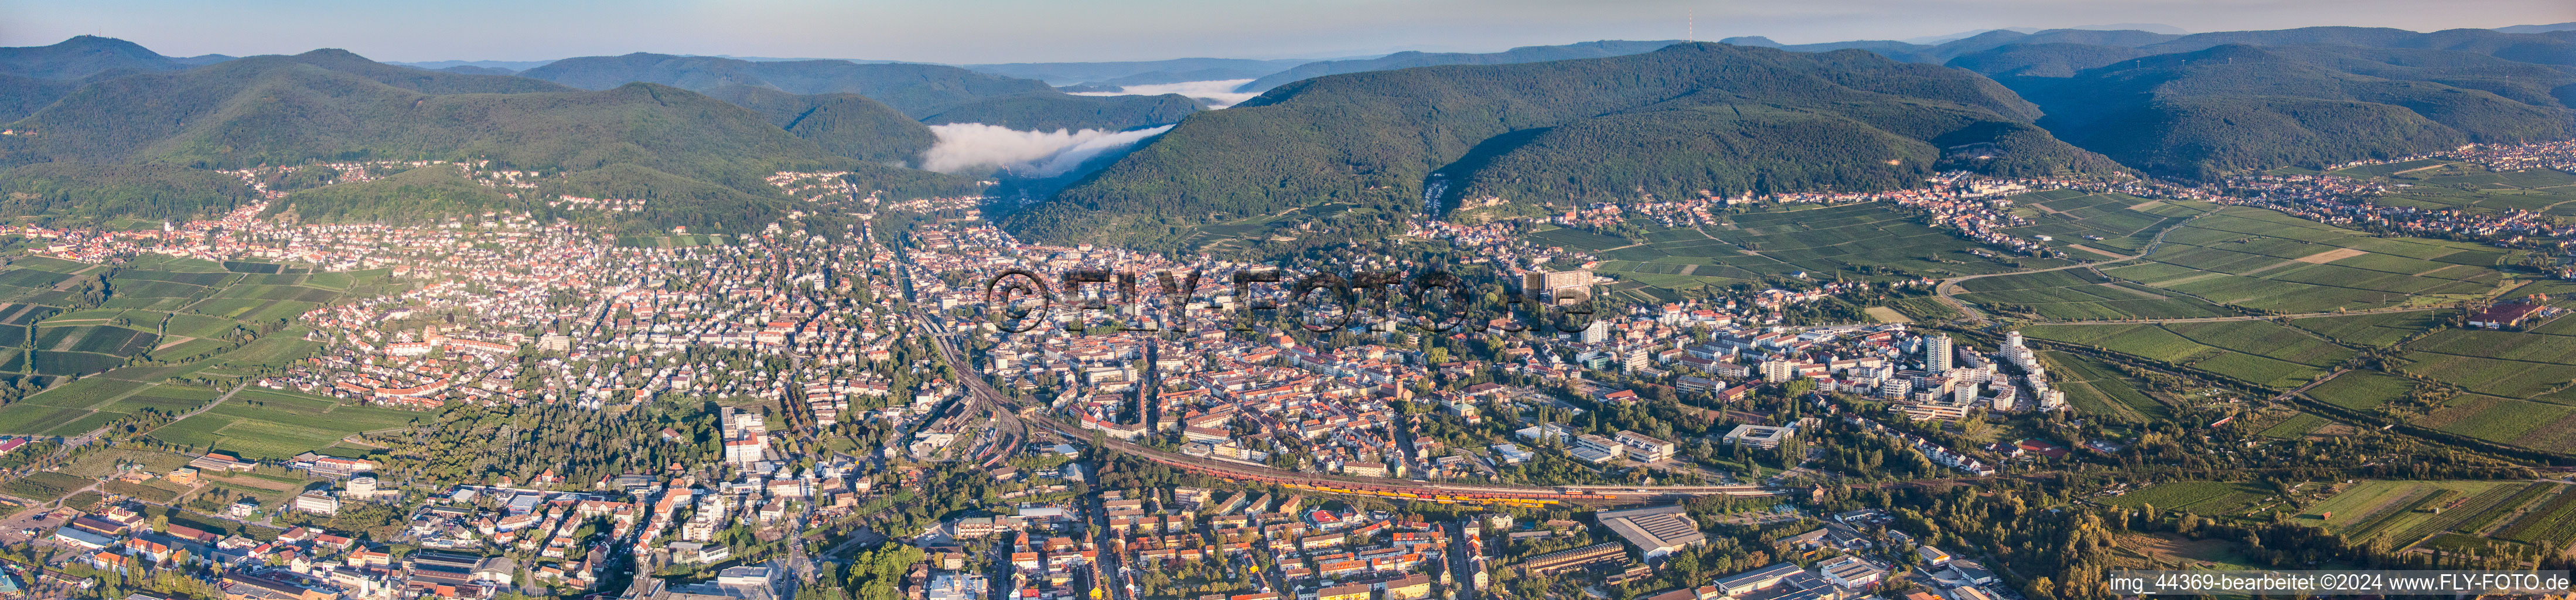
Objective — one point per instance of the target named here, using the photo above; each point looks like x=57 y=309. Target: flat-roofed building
x=1658 y=530
x=1756 y=580
x=1577 y=559
x=1850 y=572
x=1760 y=436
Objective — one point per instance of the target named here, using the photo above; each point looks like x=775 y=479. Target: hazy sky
x=976 y=31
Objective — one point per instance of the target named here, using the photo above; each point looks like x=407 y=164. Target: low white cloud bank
x=963 y=146
x=1218 y=94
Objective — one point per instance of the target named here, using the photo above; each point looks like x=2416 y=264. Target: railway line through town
x=1006 y=418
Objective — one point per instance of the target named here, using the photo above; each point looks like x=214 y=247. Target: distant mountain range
x=89 y=55
x=930 y=93
x=1406 y=60
x=1139 y=72
x=135 y=131
x=2204 y=104
x=700 y=161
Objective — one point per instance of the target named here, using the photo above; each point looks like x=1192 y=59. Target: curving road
x=1948 y=290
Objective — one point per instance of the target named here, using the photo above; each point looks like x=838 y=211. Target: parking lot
x=23 y=527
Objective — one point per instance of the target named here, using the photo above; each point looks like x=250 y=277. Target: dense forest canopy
x=920 y=91
x=1587 y=130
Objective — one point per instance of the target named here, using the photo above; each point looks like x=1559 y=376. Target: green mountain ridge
x=2238 y=107
x=1406 y=60
x=710 y=155
x=1538 y=132
x=930 y=93
x=88 y=55
x=845 y=124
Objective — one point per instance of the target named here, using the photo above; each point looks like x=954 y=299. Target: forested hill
x=1407 y=60
x=2237 y=107
x=845 y=124
x=87 y=55
x=2202 y=104
x=1686 y=118
x=930 y=93
x=707 y=155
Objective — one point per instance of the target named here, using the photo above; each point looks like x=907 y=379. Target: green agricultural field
x=196 y=433
x=197 y=326
x=2261 y=352
x=2114 y=223
x=2377 y=507
x=2270 y=261
x=252 y=310
x=164 y=262
x=44 y=486
x=102 y=339
x=2264 y=338
x=104 y=461
x=270 y=351
x=28 y=419
x=2382 y=329
x=2536 y=190
x=148 y=288
x=280 y=279
x=2528 y=424
x=188 y=349
x=2094 y=388
x=25 y=314
x=2081 y=295
x=2507 y=378
x=2453 y=513
x=32 y=279
x=85 y=424
x=334 y=281
x=49 y=362
x=48 y=263
x=198 y=279
x=1924 y=308
x=1862 y=241
x=268 y=424
x=2478 y=522
x=2552 y=524
x=240 y=266
x=1851 y=240
x=279 y=292
x=90 y=392
x=2361 y=390
x=165 y=398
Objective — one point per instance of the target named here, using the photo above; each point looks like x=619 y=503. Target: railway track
x=1008 y=420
